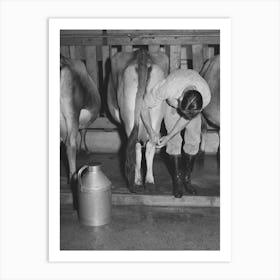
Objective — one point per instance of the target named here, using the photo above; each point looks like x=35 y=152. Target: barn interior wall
x=96 y=51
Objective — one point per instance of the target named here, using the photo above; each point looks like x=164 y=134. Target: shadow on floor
x=206 y=177
x=143 y=227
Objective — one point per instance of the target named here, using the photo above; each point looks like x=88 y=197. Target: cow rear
x=133 y=76
x=211 y=114
x=211 y=73
x=79 y=106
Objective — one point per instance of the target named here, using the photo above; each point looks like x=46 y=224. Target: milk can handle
x=80 y=173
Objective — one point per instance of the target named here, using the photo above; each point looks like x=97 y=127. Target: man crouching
x=187 y=94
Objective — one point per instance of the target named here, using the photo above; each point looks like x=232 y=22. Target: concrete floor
x=144 y=228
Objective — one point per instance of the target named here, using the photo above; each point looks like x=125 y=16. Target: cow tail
x=205 y=67
x=143 y=63
x=130 y=159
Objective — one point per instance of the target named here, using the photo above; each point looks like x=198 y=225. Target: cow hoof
x=137 y=189
x=72 y=179
x=178 y=194
x=151 y=187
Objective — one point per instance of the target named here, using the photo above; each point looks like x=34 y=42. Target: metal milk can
x=94 y=196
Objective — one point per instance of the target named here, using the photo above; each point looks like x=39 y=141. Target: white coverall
x=172 y=87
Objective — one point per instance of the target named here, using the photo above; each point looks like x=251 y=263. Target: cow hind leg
x=149 y=155
x=202 y=146
x=138 y=175
x=86 y=118
x=218 y=152
x=203 y=143
x=71 y=149
x=83 y=144
x=133 y=162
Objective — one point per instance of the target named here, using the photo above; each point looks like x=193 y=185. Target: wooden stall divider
x=91 y=63
x=208 y=52
x=175 y=57
x=99 y=53
x=113 y=50
x=105 y=60
x=127 y=48
x=162 y=48
x=205 y=52
x=77 y=52
x=64 y=50
x=211 y=52
x=184 y=58
x=153 y=48
x=197 y=51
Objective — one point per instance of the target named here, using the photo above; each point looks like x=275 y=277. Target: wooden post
x=211 y=52
x=154 y=48
x=184 y=58
x=162 y=48
x=91 y=62
x=175 y=57
x=205 y=52
x=105 y=57
x=64 y=50
x=197 y=51
x=77 y=52
x=127 y=48
x=113 y=50
x=99 y=53
x=208 y=52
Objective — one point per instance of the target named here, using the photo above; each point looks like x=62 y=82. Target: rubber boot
x=186 y=171
x=178 y=187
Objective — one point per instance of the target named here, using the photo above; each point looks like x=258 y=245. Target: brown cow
x=79 y=106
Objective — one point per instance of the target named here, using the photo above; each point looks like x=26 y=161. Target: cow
x=211 y=114
x=79 y=107
x=133 y=75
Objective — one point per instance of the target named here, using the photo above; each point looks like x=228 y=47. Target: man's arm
x=151 y=100
x=180 y=125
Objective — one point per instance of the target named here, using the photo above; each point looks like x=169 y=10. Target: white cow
x=132 y=76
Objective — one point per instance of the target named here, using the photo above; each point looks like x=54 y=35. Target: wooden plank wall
x=96 y=53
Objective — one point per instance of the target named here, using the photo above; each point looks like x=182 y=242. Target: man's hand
x=180 y=124
x=163 y=141
x=154 y=137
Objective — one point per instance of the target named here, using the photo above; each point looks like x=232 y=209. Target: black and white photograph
x=140 y=139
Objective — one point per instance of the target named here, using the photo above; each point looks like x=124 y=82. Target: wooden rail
x=186 y=49
x=139 y=37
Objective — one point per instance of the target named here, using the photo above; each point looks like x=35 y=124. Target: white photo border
x=57 y=255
